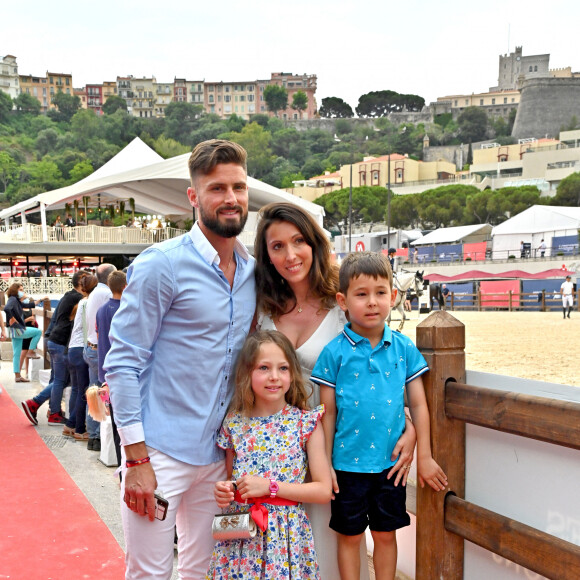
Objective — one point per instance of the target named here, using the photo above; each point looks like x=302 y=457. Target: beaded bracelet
x=134 y=462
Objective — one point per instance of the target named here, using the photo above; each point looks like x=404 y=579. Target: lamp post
x=350 y=206
x=389 y=200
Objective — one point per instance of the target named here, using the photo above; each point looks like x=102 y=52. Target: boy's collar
x=353 y=337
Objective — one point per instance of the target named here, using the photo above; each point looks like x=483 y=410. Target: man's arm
x=134 y=331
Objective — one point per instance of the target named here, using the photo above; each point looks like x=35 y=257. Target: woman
x=296 y=284
x=79 y=370
x=18 y=329
x=27 y=305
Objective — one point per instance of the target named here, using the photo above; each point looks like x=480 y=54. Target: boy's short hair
x=117 y=281
x=367 y=263
x=208 y=154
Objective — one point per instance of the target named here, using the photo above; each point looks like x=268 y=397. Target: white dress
x=319 y=514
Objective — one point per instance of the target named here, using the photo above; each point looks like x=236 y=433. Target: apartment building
x=163 y=96
x=195 y=92
x=125 y=91
x=144 y=98
x=58 y=82
x=496 y=104
x=406 y=176
x=294 y=83
x=9 y=80
x=36 y=87
x=95 y=99
x=225 y=99
x=540 y=162
x=82 y=95
x=109 y=89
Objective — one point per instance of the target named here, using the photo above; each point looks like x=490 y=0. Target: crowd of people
x=269 y=385
x=72 y=341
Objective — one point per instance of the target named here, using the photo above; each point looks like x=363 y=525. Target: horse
x=402 y=281
x=435 y=293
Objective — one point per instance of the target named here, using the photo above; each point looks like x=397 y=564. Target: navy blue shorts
x=368 y=499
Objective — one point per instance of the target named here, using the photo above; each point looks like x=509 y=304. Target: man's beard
x=230 y=229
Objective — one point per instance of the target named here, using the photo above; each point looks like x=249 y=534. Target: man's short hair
x=77 y=277
x=103 y=271
x=117 y=281
x=364 y=263
x=208 y=154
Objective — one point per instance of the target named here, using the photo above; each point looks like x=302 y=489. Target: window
x=536 y=68
x=242 y=97
x=467 y=101
x=68 y=81
x=456 y=103
x=530 y=69
x=493 y=101
x=227 y=89
x=250 y=98
x=250 y=87
x=210 y=98
x=295 y=116
x=481 y=102
x=210 y=88
x=505 y=100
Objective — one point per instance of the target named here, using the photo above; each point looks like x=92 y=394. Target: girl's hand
x=253 y=486
x=429 y=472
x=224 y=493
x=404 y=449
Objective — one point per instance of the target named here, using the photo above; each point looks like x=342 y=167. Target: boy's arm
x=328 y=398
x=427 y=468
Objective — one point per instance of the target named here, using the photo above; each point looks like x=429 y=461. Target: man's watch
x=274 y=487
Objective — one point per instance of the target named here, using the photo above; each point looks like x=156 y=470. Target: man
x=392 y=253
x=567 y=289
x=57 y=337
x=70 y=221
x=99 y=296
x=183 y=318
x=542 y=248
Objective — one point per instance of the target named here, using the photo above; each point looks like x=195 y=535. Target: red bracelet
x=134 y=462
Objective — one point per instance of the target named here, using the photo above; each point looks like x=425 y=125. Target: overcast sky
x=422 y=47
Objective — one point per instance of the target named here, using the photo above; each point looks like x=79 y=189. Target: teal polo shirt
x=370 y=385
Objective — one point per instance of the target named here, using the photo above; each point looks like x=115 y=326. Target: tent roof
x=451 y=235
x=158 y=186
x=540 y=218
x=510 y=274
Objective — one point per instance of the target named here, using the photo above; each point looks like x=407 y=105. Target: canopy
x=158 y=186
x=531 y=226
x=458 y=234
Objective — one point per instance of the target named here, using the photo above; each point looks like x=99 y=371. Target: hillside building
x=36 y=87
x=9 y=80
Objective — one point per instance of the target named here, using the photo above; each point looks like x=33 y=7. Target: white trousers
x=567 y=300
x=149 y=545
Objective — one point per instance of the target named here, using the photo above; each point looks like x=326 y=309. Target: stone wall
x=545 y=106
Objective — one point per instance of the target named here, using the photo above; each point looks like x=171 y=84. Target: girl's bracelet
x=134 y=462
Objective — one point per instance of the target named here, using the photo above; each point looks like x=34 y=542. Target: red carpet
x=48 y=528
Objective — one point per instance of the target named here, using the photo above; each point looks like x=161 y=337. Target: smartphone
x=161 y=506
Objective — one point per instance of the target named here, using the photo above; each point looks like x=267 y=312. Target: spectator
x=98 y=297
x=542 y=248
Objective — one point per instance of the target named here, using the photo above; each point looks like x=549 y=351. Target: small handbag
x=233 y=526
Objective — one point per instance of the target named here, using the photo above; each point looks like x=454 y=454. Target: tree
x=114 y=103
x=5 y=106
x=299 y=102
x=568 y=192
x=276 y=98
x=167 y=147
x=8 y=170
x=335 y=107
x=26 y=103
x=368 y=204
x=472 y=124
x=381 y=103
x=256 y=142
x=44 y=174
x=67 y=106
x=181 y=119
x=81 y=170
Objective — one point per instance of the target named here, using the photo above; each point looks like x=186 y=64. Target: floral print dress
x=273 y=447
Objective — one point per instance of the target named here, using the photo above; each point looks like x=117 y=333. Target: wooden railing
x=480 y=301
x=445 y=521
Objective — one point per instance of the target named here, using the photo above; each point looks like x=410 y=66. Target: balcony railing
x=86 y=234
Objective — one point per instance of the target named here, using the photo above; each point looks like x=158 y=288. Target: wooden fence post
x=439 y=553
x=543 y=301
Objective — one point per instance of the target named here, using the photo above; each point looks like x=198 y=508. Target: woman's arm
x=316 y=491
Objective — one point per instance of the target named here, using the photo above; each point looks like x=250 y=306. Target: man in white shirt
x=567 y=289
x=97 y=298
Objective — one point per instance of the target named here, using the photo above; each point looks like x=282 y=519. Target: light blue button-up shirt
x=174 y=344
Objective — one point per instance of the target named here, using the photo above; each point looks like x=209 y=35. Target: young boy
x=117 y=282
x=363 y=374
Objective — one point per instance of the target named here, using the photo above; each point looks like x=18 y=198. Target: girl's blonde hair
x=243 y=401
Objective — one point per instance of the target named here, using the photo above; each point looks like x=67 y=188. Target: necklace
x=229 y=264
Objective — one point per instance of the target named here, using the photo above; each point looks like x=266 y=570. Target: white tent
x=531 y=226
x=455 y=235
x=158 y=186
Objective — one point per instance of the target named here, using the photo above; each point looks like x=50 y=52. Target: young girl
x=270 y=438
